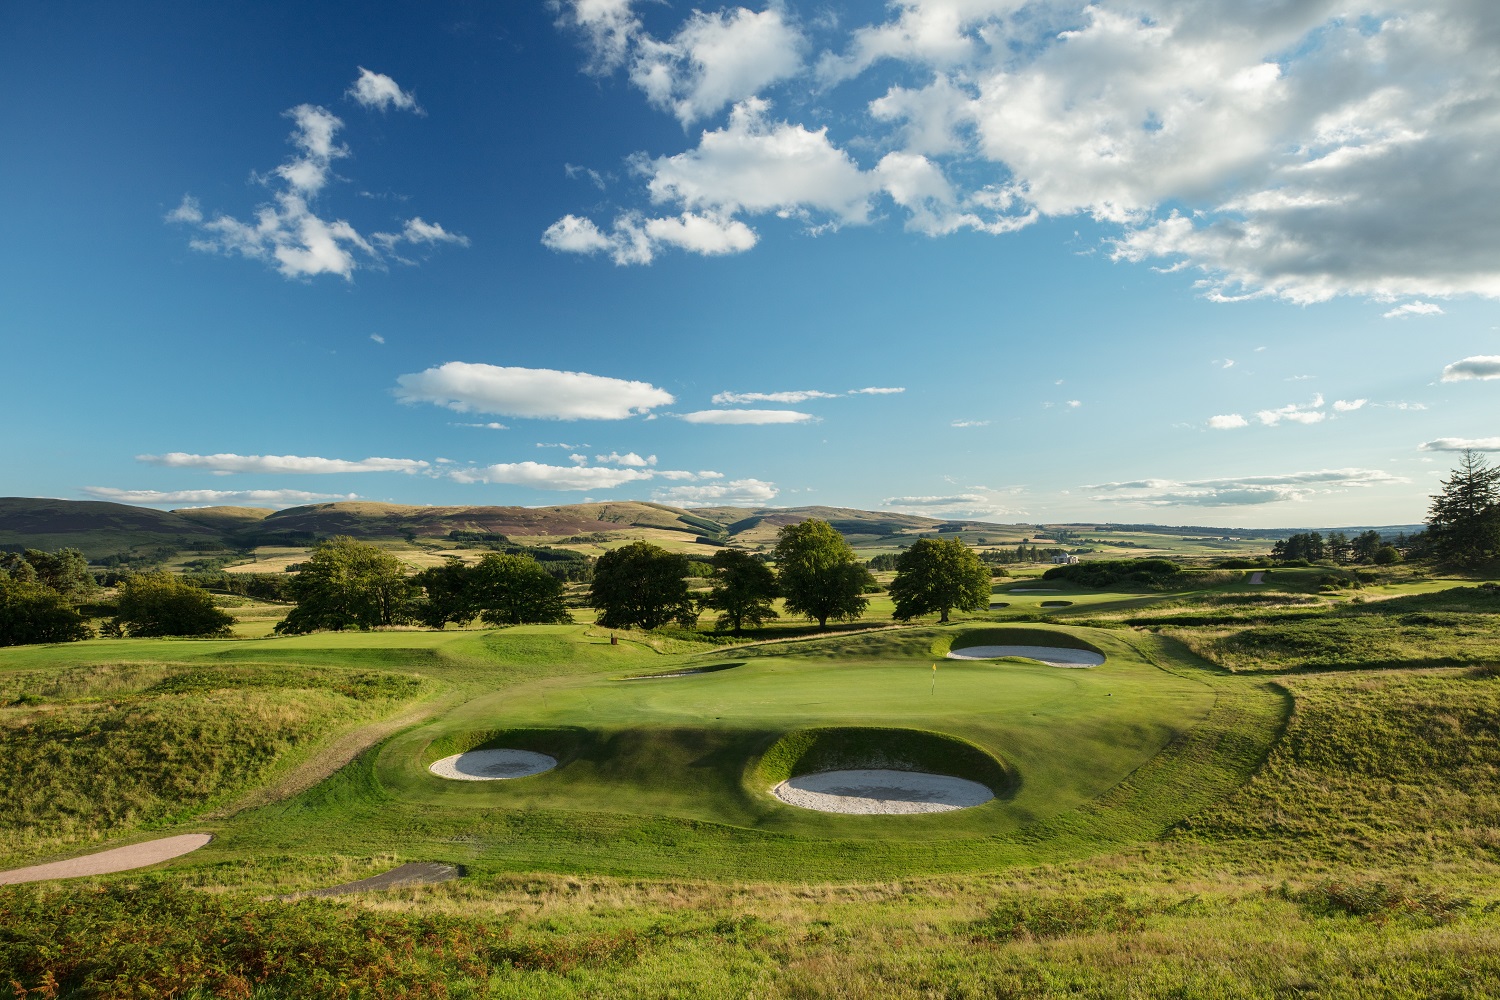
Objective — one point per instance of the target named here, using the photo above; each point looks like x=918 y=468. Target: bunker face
x=881 y=793
x=1054 y=656
x=492 y=765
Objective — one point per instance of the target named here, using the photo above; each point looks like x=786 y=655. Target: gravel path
x=1258 y=577
x=492 y=765
x=881 y=793
x=411 y=873
x=1053 y=656
x=120 y=859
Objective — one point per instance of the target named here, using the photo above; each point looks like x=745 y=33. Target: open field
x=1224 y=808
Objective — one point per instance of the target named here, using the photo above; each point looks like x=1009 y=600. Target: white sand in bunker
x=492 y=765
x=120 y=859
x=881 y=793
x=1053 y=656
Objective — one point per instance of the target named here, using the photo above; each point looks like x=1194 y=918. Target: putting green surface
x=661 y=776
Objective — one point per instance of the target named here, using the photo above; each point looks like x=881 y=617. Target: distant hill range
x=100 y=528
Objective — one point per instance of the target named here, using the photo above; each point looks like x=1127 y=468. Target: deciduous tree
x=641 y=584
x=819 y=574
x=516 y=590
x=31 y=613
x=939 y=575
x=743 y=589
x=160 y=604
x=347 y=584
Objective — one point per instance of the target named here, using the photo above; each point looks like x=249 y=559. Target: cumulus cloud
x=1414 y=309
x=1242 y=491
x=1227 y=421
x=630 y=458
x=289 y=232
x=1463 y=444
x=716 y=59
x=747 y=417
x=380 y=93
x=1481 y=366
x=637 y=239
x=537 y=393
x=1299 y=413
x=1348 y=405
x=1300 y=150
x=734 y=492
x=263 y=498
x=293 y=464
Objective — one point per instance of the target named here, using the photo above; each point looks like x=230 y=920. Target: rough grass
x=92 y=752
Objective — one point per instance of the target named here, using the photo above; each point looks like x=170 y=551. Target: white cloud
x=565 y=447
x=1242 y=491
x=735 y=492
x=1075 y=403
x=1227 y=421
x=793 y=396
x=377 y=338
x=290 y=464
x=970 y=423
x=288 y=232
x=1300 y=150
x=1414 y=309
x=609 y=26
x=747 y=417
x=876 y=390
x=716 y=59
x=551 y=477
x=489 y=426
x=1463 y=444
x=265 y=498
x=1309 y=413
x=381 y=93
x=629 y=458
x=537 y=393
x=636 y=239
x=1482 y=367
x=1348 y=405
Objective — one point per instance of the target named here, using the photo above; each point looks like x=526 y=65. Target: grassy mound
x=842 y=748
x=1012 y=635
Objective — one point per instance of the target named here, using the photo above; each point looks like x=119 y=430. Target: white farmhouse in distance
x=1063 y=559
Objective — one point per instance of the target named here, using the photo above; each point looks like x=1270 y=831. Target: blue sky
x=1213 y=263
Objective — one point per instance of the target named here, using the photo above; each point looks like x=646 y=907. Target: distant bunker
x=1055 y=649
x=492 y=765
x=880 y=772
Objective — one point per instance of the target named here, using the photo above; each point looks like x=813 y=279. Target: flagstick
x=934 y=678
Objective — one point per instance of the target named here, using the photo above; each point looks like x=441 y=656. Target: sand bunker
x=121 y=859
x=1057 y=604
x=1034 y=590
x=492 y=765
x=1256 y=579
x=997 y=605
x=1053 y=656
x=881 y=793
